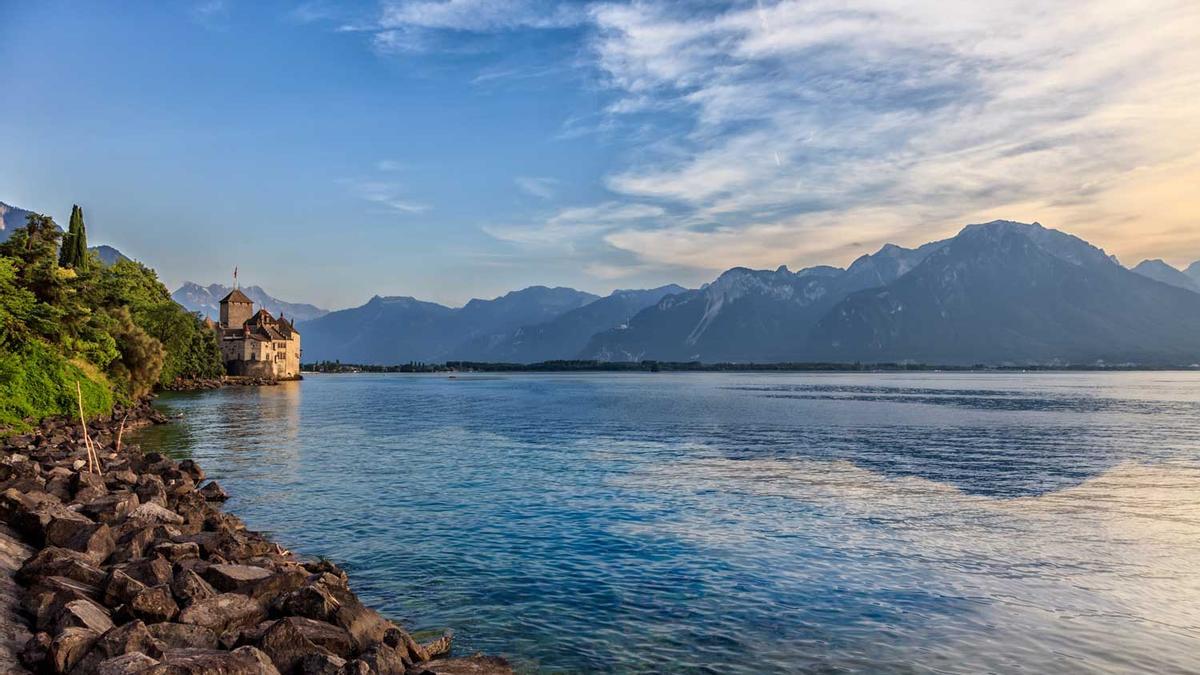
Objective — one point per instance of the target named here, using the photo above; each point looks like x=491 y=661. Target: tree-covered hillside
x=66 y=319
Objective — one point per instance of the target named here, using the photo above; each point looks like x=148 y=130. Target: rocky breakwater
x=135 y=568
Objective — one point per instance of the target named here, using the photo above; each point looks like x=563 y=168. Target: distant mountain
x=1161 y=271
x=1006 y=292
x=746 y=314
x=999 y=292
x=206 y=300
x=11 y=217
x=564 y=336
x=402 y=329
x=1193 y=271
x=108 y=255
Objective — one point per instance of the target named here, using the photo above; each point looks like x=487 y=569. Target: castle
x=256 y=344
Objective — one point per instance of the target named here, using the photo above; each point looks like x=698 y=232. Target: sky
x=450 y=149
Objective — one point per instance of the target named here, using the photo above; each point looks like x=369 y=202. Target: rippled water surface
x=749 y=523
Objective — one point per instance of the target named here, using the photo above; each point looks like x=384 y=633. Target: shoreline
x=136 y=568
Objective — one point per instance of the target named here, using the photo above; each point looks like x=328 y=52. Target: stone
x=356 y=667
x=82 y=614
x=60 y=562
x=95 y=540
x=325 y=635
x=285 y=644
x=124 y=478
x=152 y=513
x=150 y=490
x=190 y=587
x=132 y=637
x=35 y=652
x=313 y=601
x=385 y=660
x=126 y=664
x=213 y=492
x=176 y=552
x=47 y=596
x=69 y=647
x=150 y=571
x=84 y=480
x=110 y=508
x=121 y=589
x=183 y=636
x=154 y=605
x=193 y=469
x=320 y=663
x=241 y=661
x=231 y=578
x=132 y=542
x=223 y=612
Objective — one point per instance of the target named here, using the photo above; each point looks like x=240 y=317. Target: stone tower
x=236 y=308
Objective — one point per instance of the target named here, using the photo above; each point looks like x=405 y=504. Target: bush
x=36 y=382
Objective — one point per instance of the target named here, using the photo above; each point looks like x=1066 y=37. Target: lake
x=739 y=523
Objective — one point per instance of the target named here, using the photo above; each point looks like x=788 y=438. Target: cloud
x=212 y=14
x=538 y=187
x=782 y=122
x=568 y=227
x=384 y=193
x=480 y=16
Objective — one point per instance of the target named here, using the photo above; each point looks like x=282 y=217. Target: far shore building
x=256 y=344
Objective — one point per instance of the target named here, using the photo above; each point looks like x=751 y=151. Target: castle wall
x=234 y=314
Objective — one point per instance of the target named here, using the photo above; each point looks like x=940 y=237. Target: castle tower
x=236 y=308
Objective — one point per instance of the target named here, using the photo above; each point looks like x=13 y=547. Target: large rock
x=213 y=492
x=385 y=660
x=133 y=637
x=153 y=513
x=184 y=636
x=154 y=605
x=189 y=587
x=320 y=663
x=127 y=664
x=94 y=540
x=286 y=645
x=150 y=571
x=230 y=578
x=120 y=588
x=60 y=562
x=223 y=612
x=110 y=508
x=241 y=661
x=82 y=614
x=69 y=647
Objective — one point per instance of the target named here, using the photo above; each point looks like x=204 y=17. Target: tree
x=74 y=247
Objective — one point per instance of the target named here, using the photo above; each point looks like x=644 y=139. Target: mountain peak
x=1158 y=270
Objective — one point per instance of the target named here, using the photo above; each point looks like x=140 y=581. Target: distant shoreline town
x=329 y=367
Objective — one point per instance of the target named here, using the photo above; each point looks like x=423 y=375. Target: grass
x=35 y=383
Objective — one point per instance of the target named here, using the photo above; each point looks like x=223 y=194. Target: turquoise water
x=739 y=523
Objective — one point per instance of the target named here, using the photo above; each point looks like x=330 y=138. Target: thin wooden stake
x=121 y=431
x=83 y=424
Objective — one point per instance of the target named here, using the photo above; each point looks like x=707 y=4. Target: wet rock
x=193 y=469
x=126 y=664
x=183 y=636
x=223 y=612
x=213 y=492
x=69 y=647
x=154 y=605
x=232 y=578
x=241 y=661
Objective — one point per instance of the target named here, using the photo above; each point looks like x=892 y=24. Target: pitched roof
x=236 y=295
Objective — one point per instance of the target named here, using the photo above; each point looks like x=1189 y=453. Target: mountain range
x=206 y=301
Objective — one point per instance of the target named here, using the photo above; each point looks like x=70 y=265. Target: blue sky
x=462 y=148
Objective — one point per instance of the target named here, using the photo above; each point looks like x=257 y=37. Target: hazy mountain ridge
x=1159 y=270
x=564 y=336
x=998 y=292
x=11 y=217
x=206 y=300
x=402 y=329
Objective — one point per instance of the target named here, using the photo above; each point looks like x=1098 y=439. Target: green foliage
x=63 y=317
x=36 y=381
x=74 y=253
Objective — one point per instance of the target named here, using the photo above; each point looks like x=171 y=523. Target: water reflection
x=620 y=523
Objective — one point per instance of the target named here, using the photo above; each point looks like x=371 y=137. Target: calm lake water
x=739 y=523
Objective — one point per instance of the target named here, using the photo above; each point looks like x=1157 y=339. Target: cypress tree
x=66 y=254
x=80 y=243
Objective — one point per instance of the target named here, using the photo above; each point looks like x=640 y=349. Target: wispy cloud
x=387 y=194
x=210 y=13
x=568 y=227
x=542 y=188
